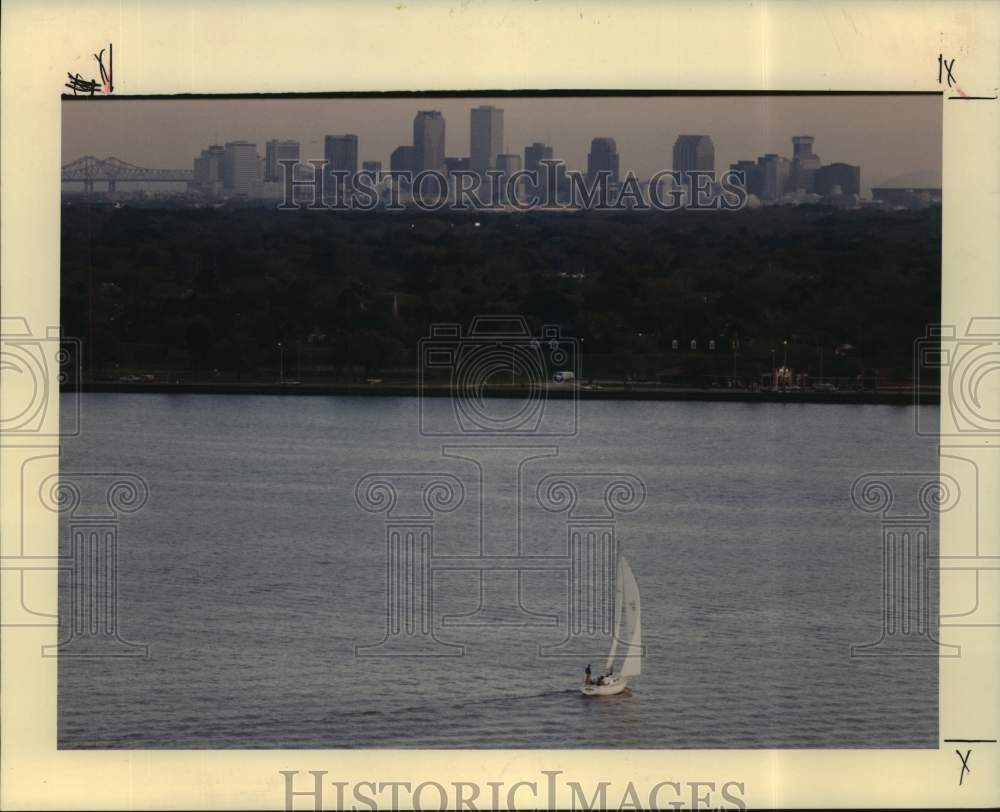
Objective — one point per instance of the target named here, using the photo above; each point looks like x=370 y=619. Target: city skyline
x=889 y=136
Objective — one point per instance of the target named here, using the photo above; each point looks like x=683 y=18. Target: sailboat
x=628 y=630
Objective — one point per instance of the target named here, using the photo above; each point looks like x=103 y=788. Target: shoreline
x=902 y=397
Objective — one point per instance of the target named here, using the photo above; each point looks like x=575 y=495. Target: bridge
x=88 y=170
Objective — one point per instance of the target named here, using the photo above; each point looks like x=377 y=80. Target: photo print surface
x=531 y=421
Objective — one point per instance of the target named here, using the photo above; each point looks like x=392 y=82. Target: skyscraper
x=508 y=165
x=751 y=175
x=341 y=153
x=428 y=141
x=534 y=153
x=485 y=137
x=401 y=159
x=371 y=166
x=240 y=167
x=693 y=152
x=774 y=171
x=804 y=163
x=846 y=176
x=276 y=151
x=603 y=156
x=456 y=165
x=209 y=169
x=802 y=146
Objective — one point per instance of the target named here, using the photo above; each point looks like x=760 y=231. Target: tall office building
x=209 y=169
x=751 y=175
x=534 y=153
x=802 y=146
x=508 y=165
x=456 y=165
x=846 y=176
x=485 y=137
x=428 y=141
x=276 y=151
x=693 y=152
x=371 y=166
x=401 y=159
x=240 y=167
x=603 y=156
x=774 y=171
x=804 y=164
x=552 y=178
x=341 y=153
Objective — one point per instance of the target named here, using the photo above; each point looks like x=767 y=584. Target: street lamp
x=774 y=371
x=736 y=345
x=281 y=362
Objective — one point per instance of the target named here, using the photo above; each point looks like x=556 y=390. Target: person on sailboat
x=587 y=680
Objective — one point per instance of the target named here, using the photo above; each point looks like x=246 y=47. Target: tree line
x=215 y=291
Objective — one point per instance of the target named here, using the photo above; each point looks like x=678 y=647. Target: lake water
x=252 y=574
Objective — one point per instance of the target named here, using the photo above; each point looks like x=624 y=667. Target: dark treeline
x=202 y=292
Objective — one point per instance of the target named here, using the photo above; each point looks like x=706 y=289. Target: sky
x=888 y=136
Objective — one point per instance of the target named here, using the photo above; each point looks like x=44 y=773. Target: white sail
x=617 y=609
x=631 y=622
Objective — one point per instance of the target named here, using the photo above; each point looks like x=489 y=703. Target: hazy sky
x=888 y=136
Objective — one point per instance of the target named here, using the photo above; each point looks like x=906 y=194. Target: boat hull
x=613 y=685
